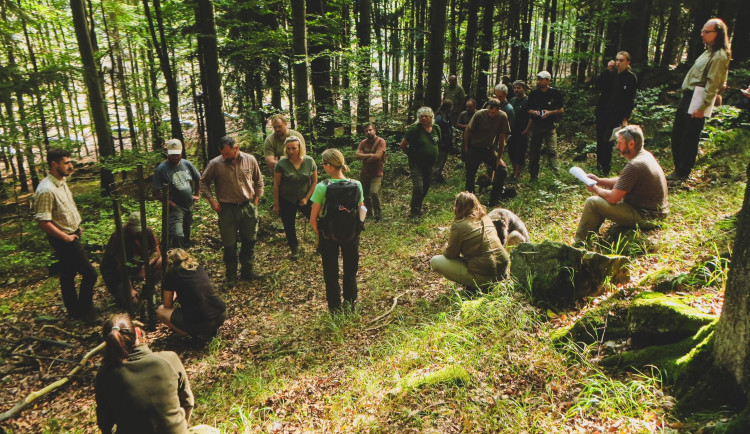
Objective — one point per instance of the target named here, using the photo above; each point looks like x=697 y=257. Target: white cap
x=174 y=147
x=544 y=74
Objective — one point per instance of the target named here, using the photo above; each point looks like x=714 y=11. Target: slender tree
x=364 y=40
x=299 y=46
x=94 y=87
x=208 y=52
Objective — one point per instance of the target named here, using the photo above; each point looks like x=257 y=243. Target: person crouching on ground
x=328 y=246
x=201 y=311
x=137 y=390
x=294 y=180
x=474 y=255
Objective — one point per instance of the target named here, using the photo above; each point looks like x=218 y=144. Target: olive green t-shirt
x=295 y=183
x=485 y=128
x=423 y=146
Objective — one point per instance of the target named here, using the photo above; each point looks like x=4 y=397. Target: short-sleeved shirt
x=195 y=293
x=274 y=147
x=235 y=182
x=179 y=178
x=295 y=183
x=54 y=202
x=520 y=107
x=485 y=129
x=457 y=95
x=319 y=195
x=645 y=183
x=552 y=99
x=372 y=169
x=423 y=146
x=465 y=117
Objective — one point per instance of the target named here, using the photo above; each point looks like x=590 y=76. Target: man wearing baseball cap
x=545 y=109
x=184 y=190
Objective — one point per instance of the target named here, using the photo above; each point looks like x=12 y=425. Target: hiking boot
x=674 y=176
x=378 y=215
x=294 y=255
x=250 y=275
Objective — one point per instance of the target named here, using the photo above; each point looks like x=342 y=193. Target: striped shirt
x=54 y=202
x=235 y=183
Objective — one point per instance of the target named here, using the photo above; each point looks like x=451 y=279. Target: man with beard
x=57 y=215
x=273 y=146
x=371 y=151
x=635 y=198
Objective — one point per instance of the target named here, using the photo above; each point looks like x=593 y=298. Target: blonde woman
x=420 y=143
x=201 y=312
x=474 y=255
x=294 y=180
x=328 y=247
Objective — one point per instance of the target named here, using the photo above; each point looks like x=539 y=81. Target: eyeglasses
x=703 y=32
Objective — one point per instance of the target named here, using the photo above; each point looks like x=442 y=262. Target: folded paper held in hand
x=581 y=175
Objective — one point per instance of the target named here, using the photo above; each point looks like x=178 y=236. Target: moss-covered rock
x=559 y=274
x=449 y=375
x=660 y=281
x=654 y=318
x=604 y=321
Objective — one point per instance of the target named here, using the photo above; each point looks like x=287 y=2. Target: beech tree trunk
x=467 y=67
x=732 y=335
x=299 y=46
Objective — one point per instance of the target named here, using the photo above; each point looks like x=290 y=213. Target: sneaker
x=295 y=253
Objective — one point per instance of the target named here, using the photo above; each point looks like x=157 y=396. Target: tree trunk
x=488 y=9
x=299 y=46
x=528 y=11
x=209 y=53
x=732 y=335
x=93 y=84
x=364 y=20
x=35 y=85
x=670 y=47
x=419 y=53
x=551 y=44
x=160 y=43
x=700 y=13
x=472 y=23
x=122 y=82
x=741 y=34
x=320 y=67
x=435 y=59
x=111 y=54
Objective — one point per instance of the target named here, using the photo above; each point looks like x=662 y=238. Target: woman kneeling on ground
x=137 y=390
x=474 y=255
x=201 y=312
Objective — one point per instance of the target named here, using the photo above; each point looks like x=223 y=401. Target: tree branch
x=393 y=306
x=33 y=396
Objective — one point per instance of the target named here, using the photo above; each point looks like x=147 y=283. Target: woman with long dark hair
x=699 y=89
x=474 y=255
x=137 y=390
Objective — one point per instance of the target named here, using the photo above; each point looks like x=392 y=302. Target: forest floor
x=281 y=363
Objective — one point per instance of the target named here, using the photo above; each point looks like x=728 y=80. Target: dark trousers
x=74 y=260
x=288 y=214
x=180 y=220
x=421 y=179
x=606 y=121
x=518 y=145
x=329 y=255
x=686 y=133
x=473 y=159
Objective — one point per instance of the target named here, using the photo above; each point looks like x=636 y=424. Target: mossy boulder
x=559 y=274
x=654 y=318
x=606 y=321
x=451 y=375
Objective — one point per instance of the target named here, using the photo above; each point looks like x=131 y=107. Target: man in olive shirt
x=239 y=186
x=486 y=132
x=57 y=215
x=466 y=115
x=634 y=198
x=371 y=151
x=273 y=146
x=455 y=94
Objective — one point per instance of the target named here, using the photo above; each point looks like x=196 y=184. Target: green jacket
x=480 y=246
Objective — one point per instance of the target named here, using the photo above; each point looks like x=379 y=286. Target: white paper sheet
x=581 y=175
x=698 y=93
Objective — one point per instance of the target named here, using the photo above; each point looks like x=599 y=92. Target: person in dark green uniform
x=420 y=144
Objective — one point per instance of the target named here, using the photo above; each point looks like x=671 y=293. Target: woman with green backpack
x=336 y=217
